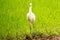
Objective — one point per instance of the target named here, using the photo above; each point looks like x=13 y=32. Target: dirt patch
x=43 y=37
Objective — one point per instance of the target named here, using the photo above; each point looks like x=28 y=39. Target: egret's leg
x=32 y=29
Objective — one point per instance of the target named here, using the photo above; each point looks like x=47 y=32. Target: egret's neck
x=30 y=8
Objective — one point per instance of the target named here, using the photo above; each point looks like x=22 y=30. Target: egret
x=31 y=17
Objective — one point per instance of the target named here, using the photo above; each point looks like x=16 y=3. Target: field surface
x=13 y=16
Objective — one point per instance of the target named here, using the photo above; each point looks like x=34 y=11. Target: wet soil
x=43 y=37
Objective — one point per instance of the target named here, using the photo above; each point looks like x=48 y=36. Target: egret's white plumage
x=31 y=15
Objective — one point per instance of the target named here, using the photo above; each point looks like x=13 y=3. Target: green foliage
x=13 y=16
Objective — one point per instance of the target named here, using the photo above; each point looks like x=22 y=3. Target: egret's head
x=30 y=4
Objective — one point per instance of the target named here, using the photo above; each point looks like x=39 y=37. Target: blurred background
x=13 y=16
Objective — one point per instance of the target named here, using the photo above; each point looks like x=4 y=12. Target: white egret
x=31 y=16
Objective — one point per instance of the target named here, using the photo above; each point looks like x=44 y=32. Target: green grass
x=13 y=16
